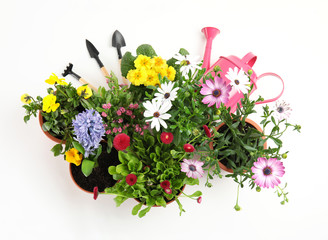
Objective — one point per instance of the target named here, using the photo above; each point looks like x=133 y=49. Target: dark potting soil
x=223 y=129
x=99 y=177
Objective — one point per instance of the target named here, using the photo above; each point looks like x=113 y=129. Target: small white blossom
x=157 y=110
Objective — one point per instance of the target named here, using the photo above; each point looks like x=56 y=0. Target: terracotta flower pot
x=170 y=201
x=99 y=177
x=41 y=121
x=249 y=121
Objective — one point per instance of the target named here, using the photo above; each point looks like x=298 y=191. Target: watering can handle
x=283 y=87
x=249 y=59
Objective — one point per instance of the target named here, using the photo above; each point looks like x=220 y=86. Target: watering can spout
x=210 y=33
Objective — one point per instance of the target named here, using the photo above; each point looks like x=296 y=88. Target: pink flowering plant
x=242 y=148
x=120 y=110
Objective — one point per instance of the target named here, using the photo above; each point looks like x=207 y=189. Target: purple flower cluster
x=89 y=130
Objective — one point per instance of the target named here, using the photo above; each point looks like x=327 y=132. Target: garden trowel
x=118 y=42
x=94 y=54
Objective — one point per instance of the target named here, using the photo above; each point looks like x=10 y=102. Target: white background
x=38 y=198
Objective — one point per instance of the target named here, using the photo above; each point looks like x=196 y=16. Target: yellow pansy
x=137 y=76
x=54 y=79
x=152 y=78
x=49 y=103
x=25 y=98
x=170 y=73
x=84 y=91
x=73 y=156
x=143 y=62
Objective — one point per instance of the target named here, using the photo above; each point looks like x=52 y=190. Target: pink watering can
x=232 y=62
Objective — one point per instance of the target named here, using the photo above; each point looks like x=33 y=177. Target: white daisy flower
x=157 y=110
x=166 y=92
x=188 y=63
x=239 y=80
x=282 y=110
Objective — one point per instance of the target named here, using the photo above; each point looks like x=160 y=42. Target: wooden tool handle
x=125 y=81
x=83 y=81
x=104 y=71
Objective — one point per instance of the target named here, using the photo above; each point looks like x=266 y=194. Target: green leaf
x=180 y=206
x=183 y=52
x=78 y=147
x=249 y=148
x=117 y=177
x=143 y=212
x=57 y=149
x=127 y=63
x=46 y=126
x=26 y=118
x=192 y=181
x=126 y=157
x=87 y=167
x=119 y=200
x=99 y=151
x=160 y=202
x=158 y=150
x=147 y=50
x=112 y=170
x=277 y=141
x=154 y=192
x=136 y=209
x=196 y=194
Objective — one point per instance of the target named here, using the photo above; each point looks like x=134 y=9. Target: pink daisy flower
x=267 y=171
x=192 y=168
x=282 y=110
x=216 y=92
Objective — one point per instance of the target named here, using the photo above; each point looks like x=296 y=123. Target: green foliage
x=87 y=167
x=127 y=63
x=59 y=122
x=147 y=50
x=152 y=163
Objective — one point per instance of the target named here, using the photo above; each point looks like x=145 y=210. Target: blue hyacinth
x=89 y=130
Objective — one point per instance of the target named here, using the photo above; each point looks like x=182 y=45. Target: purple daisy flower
x=192 y=168
x=267 y=171
x=215 y=92
x=89 y=130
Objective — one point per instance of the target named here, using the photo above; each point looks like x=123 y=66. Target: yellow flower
x=54 y=79
x=49 y=103
x=84 y=91
x=137 y=76
x=162 y=71
x=159 y=62
x=171 y=73
x=73 y=156
x=25 y=98
x=152 y=78
x=143 y=62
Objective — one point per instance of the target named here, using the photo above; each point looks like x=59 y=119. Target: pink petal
x=206 y=90
x=184 y=167
x=210 y=84
x=210 y=100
